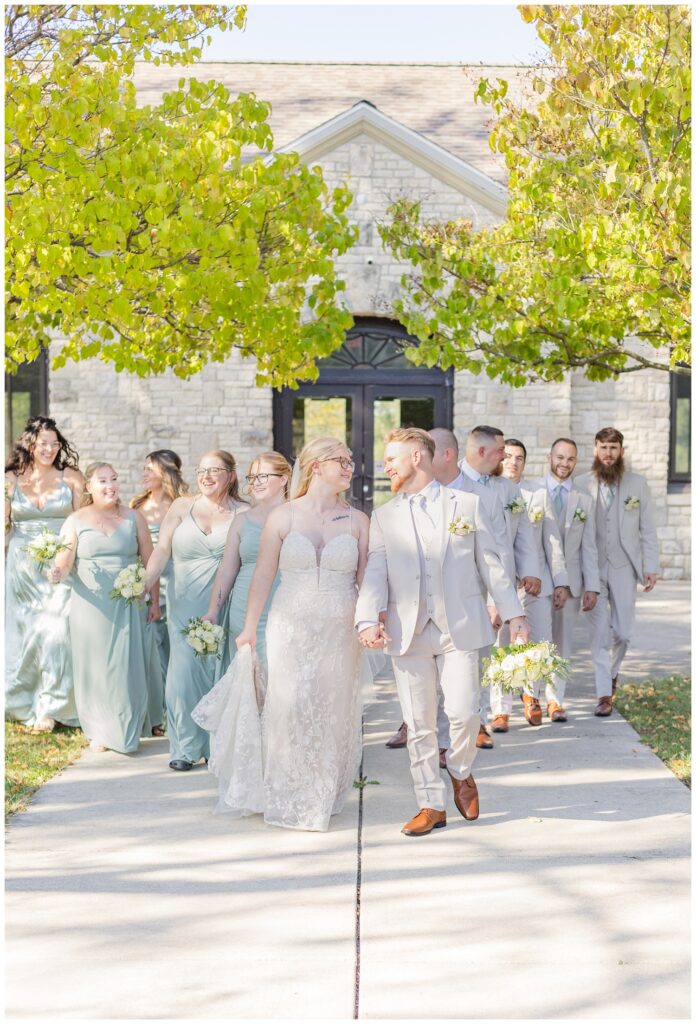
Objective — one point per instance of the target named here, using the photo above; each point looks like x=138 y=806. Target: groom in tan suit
x=628 y=554
x=432 y=559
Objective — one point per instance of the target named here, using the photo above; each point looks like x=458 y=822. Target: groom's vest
x=431 y=604
x=609 y=547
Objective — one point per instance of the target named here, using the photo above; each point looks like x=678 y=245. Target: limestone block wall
x=377 y=175
x=120 y=417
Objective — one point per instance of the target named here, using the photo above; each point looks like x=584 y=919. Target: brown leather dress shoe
x=500 y=723
x=443 y=758
x=399 y=737
x=483 y=740
x=424 y=822
x=465 y=796
x=555 y=712
x=532 y=709
x=604 y=707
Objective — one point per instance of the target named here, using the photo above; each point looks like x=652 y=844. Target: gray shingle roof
x=434 y=99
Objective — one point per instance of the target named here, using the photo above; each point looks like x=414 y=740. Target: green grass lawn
x=33 y=758
x=660 y=712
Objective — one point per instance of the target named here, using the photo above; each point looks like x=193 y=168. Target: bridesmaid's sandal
x=98 y=747
x=44 y=724
x=158 y=730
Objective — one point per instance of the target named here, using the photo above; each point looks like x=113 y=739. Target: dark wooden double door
x=361 y=412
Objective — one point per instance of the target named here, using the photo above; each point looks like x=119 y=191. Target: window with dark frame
x=26 y=395
x=680 y=428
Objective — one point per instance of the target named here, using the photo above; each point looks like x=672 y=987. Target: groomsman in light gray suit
x=539 y=608
x=483 y=455
x=575 y=515
x=432 y=558
x=628 y=554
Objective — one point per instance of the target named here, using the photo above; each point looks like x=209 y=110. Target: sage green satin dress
x=159 y=628
x=38 y=663
x=196 y=557
x=115 y=660
x=249 y=543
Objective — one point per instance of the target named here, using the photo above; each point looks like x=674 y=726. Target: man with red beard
x=628 y=554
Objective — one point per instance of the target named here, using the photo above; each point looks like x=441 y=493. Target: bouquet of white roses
x=130 y=583
x=204 y=637
x=44 y=547
x=520 y=666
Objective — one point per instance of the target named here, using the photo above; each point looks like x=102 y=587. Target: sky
x=468 y=33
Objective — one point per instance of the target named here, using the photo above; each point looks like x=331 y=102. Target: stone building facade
x=387 y=130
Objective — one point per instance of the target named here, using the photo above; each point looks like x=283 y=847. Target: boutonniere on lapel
x=461 y=526
x=580 y=515
x=631 y=502
x=536 y=515
x=515 y=506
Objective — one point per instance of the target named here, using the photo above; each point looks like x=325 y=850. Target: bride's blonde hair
x=316 y=451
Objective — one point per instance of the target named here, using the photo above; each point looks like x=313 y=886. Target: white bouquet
x=204 y=637
x=44 y=547
x=130 y=583
x=519 y=666
x=536 y=515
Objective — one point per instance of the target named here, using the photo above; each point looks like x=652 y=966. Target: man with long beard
x=628 y=554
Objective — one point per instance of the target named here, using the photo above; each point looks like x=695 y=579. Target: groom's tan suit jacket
x=468 y=567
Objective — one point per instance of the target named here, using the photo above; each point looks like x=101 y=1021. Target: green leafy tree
x=590 y=269
x=157 y=237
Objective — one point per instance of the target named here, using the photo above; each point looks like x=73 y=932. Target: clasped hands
x=375 y=637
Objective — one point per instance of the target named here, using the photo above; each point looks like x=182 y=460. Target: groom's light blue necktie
x=483 y=479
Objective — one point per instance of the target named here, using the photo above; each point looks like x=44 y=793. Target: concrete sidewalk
x=569 y=898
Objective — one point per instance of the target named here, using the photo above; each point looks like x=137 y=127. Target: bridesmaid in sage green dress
x=42 y=487
x=193 y=535
x=115 y=661
x=163 y=484
x=268 y=482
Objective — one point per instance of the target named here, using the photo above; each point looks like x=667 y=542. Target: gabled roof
x=434 y=100
x=365 y=118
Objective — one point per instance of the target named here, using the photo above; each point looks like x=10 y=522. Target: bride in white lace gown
x=311 y=722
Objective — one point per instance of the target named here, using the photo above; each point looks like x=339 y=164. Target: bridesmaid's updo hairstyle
x=93 y=468
x=316 y=451
x=22 y=455
x=278 y=463
x=173 y=483
x=228 y=461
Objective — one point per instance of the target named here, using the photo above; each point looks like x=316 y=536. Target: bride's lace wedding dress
x=297 y=765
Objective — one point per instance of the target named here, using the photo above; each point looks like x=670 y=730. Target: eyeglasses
x=344 y=463
x=260 y=478
x=215 y=471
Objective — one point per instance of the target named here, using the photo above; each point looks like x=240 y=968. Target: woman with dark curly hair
x=42 y=487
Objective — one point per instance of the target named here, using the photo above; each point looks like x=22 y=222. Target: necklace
x=104 y=518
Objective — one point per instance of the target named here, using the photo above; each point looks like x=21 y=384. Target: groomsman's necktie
x=609 y=495
x=483 y=479
x=558 y=499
